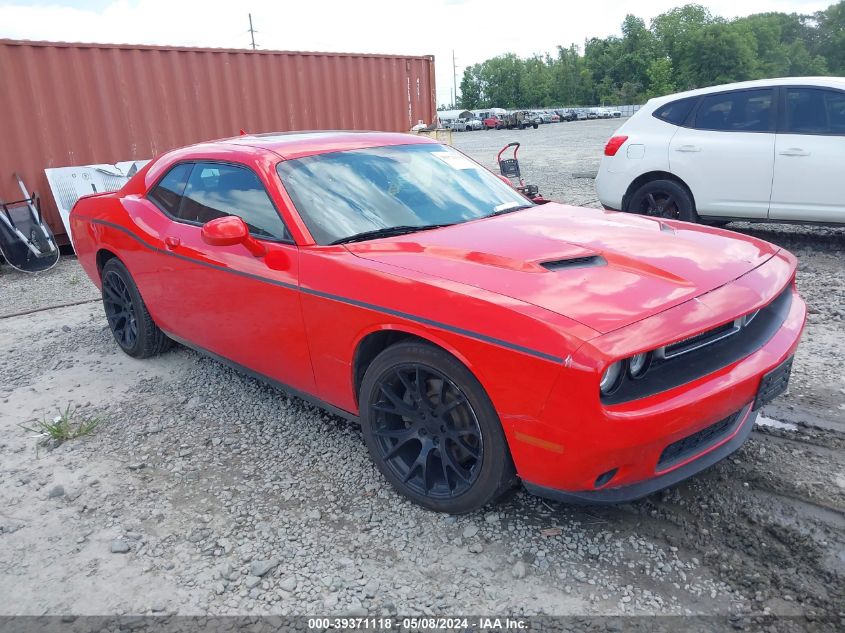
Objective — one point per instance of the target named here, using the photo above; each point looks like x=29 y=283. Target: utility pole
x=454 y=81
x=251 y=31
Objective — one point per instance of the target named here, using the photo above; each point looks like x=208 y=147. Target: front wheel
x=129 y=320
x=432 y=431
x=663 y=199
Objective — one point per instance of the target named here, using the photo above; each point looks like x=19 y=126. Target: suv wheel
x=662 y=199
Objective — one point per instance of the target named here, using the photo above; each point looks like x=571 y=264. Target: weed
x=63 y=427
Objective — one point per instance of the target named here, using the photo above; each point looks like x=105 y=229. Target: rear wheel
x=663 y=199
x=129 y=320
x=432 y=431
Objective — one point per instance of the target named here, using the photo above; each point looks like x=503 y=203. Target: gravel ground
x=204 y=492
x=64 y=284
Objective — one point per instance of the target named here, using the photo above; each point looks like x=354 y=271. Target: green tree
x=501 y=79
x=673 y=32
x=717 y=54
x=687 y=47
x=830 y=37
x=535 y=82
x=660 y=77
x=472 y=91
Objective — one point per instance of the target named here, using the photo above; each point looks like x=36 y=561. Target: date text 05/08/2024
x=418 y=624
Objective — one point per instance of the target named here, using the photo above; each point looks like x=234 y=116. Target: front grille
x=667 y=372
x=697 y=442
x=700 y=340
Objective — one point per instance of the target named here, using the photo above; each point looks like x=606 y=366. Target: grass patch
x=64 y=426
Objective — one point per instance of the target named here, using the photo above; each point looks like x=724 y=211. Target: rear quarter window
x=167 y=194
x=675 y=112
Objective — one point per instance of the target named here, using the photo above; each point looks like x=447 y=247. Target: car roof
x=307 y=143
x=832 y=82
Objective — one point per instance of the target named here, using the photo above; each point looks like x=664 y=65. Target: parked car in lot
x=567 y=114
x=493 y=122
x=521 y=119
x=465 y=125
x=769 y=150
x=615 y=114
x=478 y=338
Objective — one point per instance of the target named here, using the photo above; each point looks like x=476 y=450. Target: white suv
x=771 y=150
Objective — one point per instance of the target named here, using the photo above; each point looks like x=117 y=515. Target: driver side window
x=215 y=190
x=198 y=192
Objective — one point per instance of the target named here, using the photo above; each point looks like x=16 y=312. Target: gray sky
x=475 y=29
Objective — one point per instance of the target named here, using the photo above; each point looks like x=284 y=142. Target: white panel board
x=69 y=184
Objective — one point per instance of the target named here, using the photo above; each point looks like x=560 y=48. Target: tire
x=130 y=322
x=711 y=222
x=663 y=199
x=442 y=446
x=536 y=126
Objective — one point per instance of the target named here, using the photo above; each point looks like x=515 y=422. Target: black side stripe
x=353 y=302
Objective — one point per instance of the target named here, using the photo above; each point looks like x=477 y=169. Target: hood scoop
x=575 y=262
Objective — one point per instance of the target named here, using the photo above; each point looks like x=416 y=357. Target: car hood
x=603 y=269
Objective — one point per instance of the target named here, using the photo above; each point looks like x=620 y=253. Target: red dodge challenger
x=480 y=339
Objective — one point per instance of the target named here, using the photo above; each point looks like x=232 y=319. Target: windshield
x=341 y=194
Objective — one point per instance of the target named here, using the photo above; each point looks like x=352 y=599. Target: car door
x=809 y=156
x=223 y=299
x=725 y=153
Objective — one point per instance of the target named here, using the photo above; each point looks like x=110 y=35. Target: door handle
x=794 y=151
x=171 y=242
x=688 y=148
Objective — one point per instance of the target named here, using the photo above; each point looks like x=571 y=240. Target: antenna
x=251 y=31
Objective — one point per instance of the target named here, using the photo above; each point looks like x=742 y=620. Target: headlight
x=638 y=365
x=611 y=377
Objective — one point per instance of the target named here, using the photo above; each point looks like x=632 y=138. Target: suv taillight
x=614 y=144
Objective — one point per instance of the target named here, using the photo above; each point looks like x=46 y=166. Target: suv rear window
x=675 y=112
x=738 y=111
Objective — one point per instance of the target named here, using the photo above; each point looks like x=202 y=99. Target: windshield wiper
x=518 y=207
x=388 y=231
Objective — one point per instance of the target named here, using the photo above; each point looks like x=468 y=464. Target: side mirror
x=229 y=231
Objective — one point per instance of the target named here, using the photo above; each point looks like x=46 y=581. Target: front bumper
x=574 y=442
x=632 y=492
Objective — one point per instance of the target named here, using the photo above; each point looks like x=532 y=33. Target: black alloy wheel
x=432 y=431
x=120 y=310
x=663 y=199
x=129 y=320
x=427 y=431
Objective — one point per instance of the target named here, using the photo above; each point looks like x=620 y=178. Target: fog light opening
x=604 y=478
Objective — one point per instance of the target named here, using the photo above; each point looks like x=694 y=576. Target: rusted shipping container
x=68 y=104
